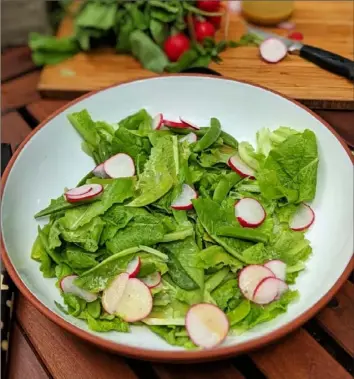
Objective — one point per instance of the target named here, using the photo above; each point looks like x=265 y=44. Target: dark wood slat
x=16 y=61
x=41 y=109
x=13 y=129
x=64 y=355
x=298 y=356
x=23 y=361
x=343 y=122
x=19 y=92
x=339 y=321
x=216 y=370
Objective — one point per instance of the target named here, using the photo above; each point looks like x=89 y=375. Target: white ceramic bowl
x=51 y=159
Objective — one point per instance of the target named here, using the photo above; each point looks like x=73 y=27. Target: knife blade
x=325 y=59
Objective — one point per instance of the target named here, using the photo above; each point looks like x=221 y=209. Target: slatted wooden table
x=323 y=348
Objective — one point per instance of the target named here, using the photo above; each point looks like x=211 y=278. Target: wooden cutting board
x=326 y=24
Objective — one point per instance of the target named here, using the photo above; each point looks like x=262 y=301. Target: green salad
x=180 y=228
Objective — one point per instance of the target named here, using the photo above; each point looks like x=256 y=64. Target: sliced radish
x=266 y=291
x=296 y=36
x=277 y=267
x=136 y=301
x=303 y=218
x=175 y=124
x=133 y=267
x=79 y=191
x=250 y=277
x=273 y=50
x=207 y=325
x=113 y=293
x=67 y=285
x=282 y=287
x=249 y=212
x=119 y=166
x=152 y=280
x=286 y=25
x=190 y=138
x=96 y=190
x=189 y=124
x=157 y=122
x=99 y=171
x=239 y=166
x=183 y=202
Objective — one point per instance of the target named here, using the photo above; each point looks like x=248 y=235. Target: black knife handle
x=329 y=61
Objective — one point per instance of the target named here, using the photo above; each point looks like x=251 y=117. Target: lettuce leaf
x=225 y=293
x=170 y=335
x=259 y=314
x=290 y=170
x=116 y=324
x=116 y=192
x=87 y=236
x=216 y=256
x=156 y=179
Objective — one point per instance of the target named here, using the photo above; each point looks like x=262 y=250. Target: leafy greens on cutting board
x=196 y=249
x=140 y=28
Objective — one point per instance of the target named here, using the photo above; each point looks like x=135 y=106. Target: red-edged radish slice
x=207 y=325
x=119 y=166
x=175 y=124
x=296 y=36
x=136 y=301
x=190 y=138
x=157 y=122
x=286 y=25
x=99 y=171
x=113 y=293
x=67 y=286
x=133 y=267
x=152 y=280
x=266 y=291
x=239 y=166
x=96 y=190
x=189 y=124
x=250 y=277
x=303 y=218
x=282 y=287
x=183 y=202
x=249 y=212
x=278 y=268
x=79 y=191
x=273 y=50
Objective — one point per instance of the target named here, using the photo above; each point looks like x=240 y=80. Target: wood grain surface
x=300 y=355
x=14 y=129
x=24 y=362
x=326 y=24
x=338 y=320
x=15 y=62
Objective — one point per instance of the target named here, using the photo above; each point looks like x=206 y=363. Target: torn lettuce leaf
x=290 y=170
x=156 y=179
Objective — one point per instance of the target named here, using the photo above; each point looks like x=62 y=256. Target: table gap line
x=142 y=369
x=28 y=340
x=247 y=367
x=330 y=345
x=28 y=117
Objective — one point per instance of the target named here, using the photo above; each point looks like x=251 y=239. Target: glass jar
x=266 y=12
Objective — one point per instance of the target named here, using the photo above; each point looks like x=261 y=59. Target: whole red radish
x=215 y=20
x=209 y=5
x=204 y=29
x=175 y=46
